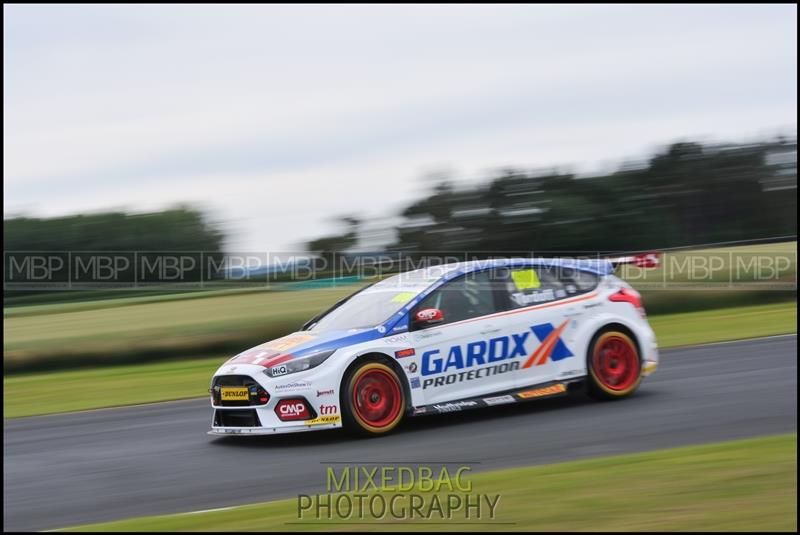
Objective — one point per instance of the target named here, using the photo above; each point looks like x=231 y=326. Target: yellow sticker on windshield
x=404 y=297
x=525 y=279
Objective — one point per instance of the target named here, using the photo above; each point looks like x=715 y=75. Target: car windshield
x=375 y=304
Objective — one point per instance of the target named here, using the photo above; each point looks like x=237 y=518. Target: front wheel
x=373 y=400
x=615 y=368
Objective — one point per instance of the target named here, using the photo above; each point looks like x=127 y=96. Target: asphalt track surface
x=78 y=468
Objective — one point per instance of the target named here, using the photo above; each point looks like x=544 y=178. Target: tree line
x=178 y=229
x=686 y=194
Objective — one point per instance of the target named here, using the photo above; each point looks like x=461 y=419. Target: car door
x=464 y=355
x=543 y=313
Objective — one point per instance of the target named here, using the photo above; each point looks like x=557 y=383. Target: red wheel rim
x=615 y=362
x=376 y=398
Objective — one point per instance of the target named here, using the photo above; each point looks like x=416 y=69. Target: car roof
x=447 y=271
x=421 y=279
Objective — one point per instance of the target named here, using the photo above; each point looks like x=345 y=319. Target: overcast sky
x=277 y=118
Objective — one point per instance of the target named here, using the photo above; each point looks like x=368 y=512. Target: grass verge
x=743 y=485
x=28 y=394
x=65 y=391
x=734 y=323
x=68 y=336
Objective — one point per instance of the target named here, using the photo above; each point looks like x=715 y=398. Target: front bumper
x=315 y=387
x=269 y=430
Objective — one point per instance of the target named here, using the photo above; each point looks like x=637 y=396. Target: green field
x=724 y=324
x=111 y=386
x=72 y=334
x=28 y=394
x=745 y=266
x=745 y=485
x=191 y=324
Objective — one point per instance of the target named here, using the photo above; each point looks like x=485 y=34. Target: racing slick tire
x=614 y=364
x=373 y=402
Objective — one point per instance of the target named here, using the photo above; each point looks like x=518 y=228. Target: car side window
x=470 y=296
x=528 y=286
x=577 y=281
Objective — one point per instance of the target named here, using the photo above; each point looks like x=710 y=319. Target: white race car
x=444 y=339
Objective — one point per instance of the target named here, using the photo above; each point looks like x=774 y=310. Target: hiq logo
x=498 y=349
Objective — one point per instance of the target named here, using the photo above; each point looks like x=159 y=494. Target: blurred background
x=267 y=150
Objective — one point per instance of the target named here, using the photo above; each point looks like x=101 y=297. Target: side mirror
x=427 y=317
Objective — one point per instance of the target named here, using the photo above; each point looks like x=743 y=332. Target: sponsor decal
x=455 y=406
x=552 y=346
x=277 y=371
x=542 y=296
x=428 y=333
x=415 y=382
x=420 y=410
x=470 y=375
x=234 y=393
x=328 y=409
x=428 y=314
x=399 y=338
x=324 y=392
x=570 y=373
x=231 y=369
x=559 y=388
x=412 y=368
x=294 y=385
x=502 y=348
x=499 y=400
x=400 y=328
x=404 y=353
x=326 y=419
x=292 y=409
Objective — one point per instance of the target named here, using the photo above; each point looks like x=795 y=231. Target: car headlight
x=299 y=364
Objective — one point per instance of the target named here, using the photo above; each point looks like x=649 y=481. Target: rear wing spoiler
x=642 y=260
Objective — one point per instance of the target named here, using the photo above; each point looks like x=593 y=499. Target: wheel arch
x=615 y=325
x=589 y=328
x=594 y=385
x=377 y=356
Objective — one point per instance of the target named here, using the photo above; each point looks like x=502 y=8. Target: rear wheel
x=615 y=367
x=373 y=399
